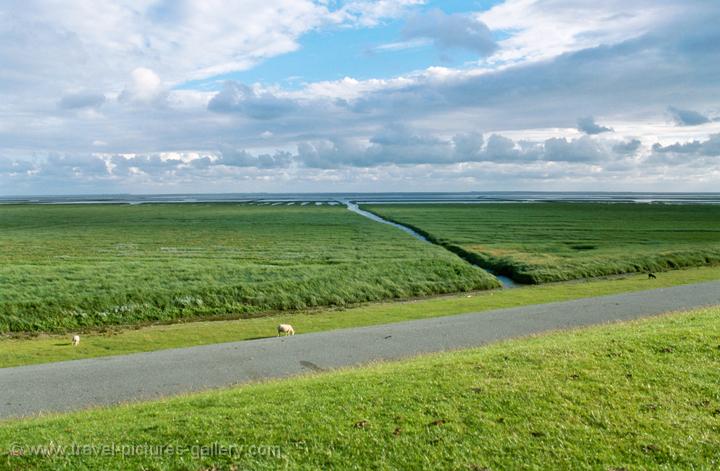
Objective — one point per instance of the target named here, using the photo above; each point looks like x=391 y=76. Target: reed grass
x=65 y=267
x=543 y=242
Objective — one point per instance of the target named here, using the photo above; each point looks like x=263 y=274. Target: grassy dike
x=49 y=348
x=639 y=395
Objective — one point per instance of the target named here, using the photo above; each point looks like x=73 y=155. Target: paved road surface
x=69 y=385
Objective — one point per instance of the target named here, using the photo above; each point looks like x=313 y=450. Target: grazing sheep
x=286 y=329
x=651 y=276
x=75 y=340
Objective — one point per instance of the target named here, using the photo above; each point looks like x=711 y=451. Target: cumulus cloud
x=602 y=80
x=402 y=145
x=145 y=87
x=153 y=164
x=72 y=166
x=707 y=148
x=502 y=149
x=468 y=145
x=464 y=159
x=687 y=117
x=628 y=147
x=550 y=65
x=583 y=149
x=326 y=153
x=259 y=104
x=399 y=145
x=241 y=158
x=451 y=31
x=589 y=126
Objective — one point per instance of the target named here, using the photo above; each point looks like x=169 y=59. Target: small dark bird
x=652 y=276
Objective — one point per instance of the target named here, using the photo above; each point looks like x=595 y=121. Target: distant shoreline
x=419 y=197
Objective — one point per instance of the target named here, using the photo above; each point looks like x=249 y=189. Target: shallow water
x=465 y=197
x=504 y=280
x=355 y=209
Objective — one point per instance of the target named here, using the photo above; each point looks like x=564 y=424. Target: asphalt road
x=63 y=386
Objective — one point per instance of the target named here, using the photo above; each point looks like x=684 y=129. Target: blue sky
x=156 y=96
x=344 y=51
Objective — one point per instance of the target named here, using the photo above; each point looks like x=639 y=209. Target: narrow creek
x=504 y=280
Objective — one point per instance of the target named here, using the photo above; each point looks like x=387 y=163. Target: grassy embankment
x=48 y=348
x=69 y=267
x=537 y=243
x=641 y=395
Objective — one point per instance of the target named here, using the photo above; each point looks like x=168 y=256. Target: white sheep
x=75 y=340
x=286 y=329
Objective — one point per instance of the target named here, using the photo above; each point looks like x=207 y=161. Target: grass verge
x=640 y=395
x=49 y=348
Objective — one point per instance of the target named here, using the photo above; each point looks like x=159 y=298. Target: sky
x=212 y=96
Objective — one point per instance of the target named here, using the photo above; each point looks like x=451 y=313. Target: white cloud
x=464 y=162
x=542 y=29
x=687 y=117
x=145 y=87
x=252 y=102
x=81 y=100
x=400 y=45
x=371 y=12
x=589 y=126
x=693 y=149
x=451 y=31
x=80 y=77
x=178 y=39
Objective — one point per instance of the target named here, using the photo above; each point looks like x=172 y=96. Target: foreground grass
x=537 y=243
x=67 y=267
x=626 y=396
x=24 y=351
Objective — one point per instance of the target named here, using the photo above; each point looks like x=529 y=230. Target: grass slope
x=47 y=348
x=74 y=266
x=536 y=243
x=627 y=396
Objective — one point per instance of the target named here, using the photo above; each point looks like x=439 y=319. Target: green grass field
x=641 y=395
x=30 y=349
x=65 y=267
x=536 y=243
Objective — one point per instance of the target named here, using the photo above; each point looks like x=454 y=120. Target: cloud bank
x=106 y=96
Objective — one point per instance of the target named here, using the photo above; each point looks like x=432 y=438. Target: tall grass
x=536 y=243
x=23 y=349
x=67 y=267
